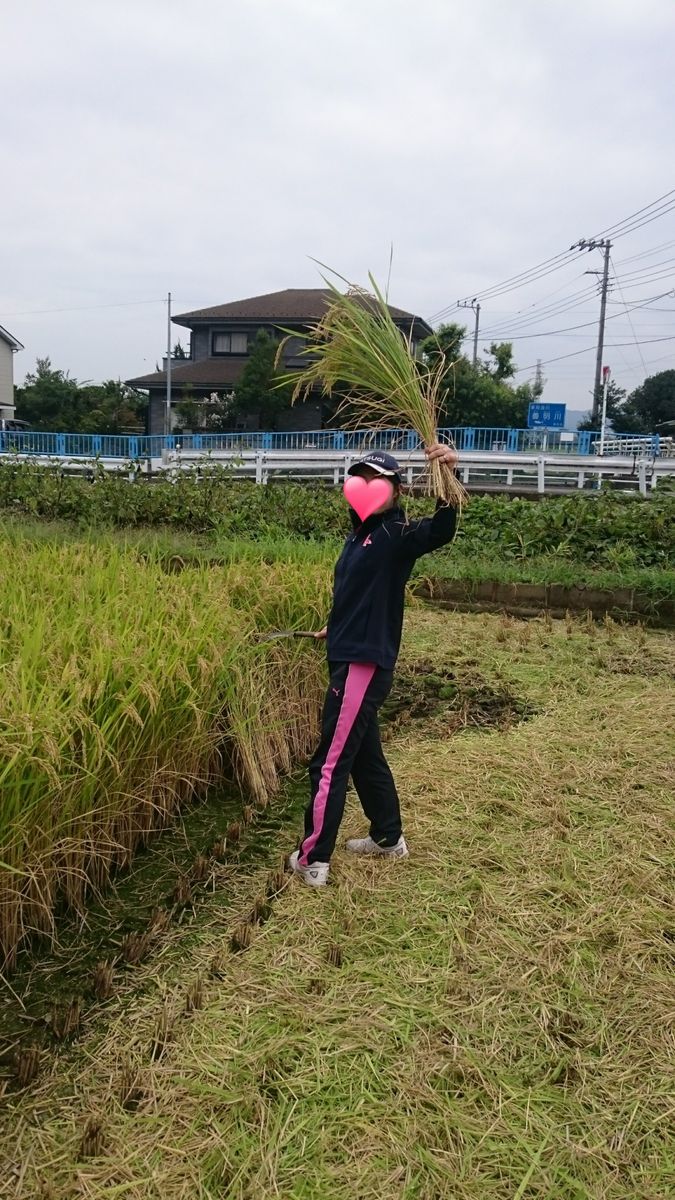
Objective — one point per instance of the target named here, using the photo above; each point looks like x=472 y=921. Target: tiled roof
x=291 y=304
x=207 y=372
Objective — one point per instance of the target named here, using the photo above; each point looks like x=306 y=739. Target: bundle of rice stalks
x=358 y=350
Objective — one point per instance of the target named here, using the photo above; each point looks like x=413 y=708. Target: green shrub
x=606 y=529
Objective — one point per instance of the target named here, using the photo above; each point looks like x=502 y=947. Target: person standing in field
x=363 y=637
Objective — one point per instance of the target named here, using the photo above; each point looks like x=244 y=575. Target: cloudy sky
x=213 y=148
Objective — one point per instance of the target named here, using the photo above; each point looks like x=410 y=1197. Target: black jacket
x=366 y=618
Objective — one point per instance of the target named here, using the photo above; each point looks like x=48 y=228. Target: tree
x=650 y=408
x=616 y=397
x=258 y=389
x=52 y=400
x=446 y=341
x=479 y=395
x=49 y=399
x=112 y=407
x=178 y=351
x=188 y=412
x=503 y=366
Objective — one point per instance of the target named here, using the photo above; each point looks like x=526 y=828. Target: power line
x=81 y=308
x=644 y=270
x=505 y=328
x=630 y=321
x=519 y=337
x=665 y=202
x=574 y=353
x=515 y=282
x=630 y=284
x=640 y=224
x=660 y=310
x=620 y=262
x=643 y=216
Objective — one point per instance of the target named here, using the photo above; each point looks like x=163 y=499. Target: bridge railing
x=478 y=438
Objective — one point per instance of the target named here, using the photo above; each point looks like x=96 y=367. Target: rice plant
x=358 y=350
x=126 y=691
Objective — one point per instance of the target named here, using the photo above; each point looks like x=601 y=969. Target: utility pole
x=475 y=306
x=603 y=420
x=539 y=381
x=606 y=245
x=167 y=415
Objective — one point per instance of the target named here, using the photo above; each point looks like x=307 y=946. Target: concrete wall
x=156 y=411
x=6 y=380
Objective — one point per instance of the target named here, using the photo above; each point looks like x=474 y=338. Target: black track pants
x=350 y=745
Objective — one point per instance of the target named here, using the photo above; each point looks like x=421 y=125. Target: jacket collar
x=370 y=523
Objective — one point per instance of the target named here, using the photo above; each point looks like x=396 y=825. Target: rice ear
x=357 y=345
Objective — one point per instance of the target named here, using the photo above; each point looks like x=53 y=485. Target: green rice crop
x=126 y=689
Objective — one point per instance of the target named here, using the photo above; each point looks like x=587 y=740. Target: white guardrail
x=536 y=472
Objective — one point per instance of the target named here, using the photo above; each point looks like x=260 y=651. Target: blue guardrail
x=133 y=448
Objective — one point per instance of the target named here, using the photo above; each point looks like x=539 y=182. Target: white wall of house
x=6 y=379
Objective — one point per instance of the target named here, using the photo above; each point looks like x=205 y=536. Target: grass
x=488 y=1020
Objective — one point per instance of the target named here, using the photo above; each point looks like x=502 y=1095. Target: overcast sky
x=212 y=148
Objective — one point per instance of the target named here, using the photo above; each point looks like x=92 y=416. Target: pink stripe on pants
x=359 y=676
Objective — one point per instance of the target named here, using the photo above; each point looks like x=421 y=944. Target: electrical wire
x=658 y=208
x=620 y=262
x=506 y=328
x=573 y=353
x=82 y=308
x=515 y=282
x=643 y=216
x=570 y=328
x=628 y=312
x=668 y=273
x=665 y=262
x=511 y=329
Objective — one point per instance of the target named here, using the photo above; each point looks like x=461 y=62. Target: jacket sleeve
x=429 y=533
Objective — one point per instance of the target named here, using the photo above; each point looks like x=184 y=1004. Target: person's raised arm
x=430 y=533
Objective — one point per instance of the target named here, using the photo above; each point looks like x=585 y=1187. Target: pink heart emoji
x=366 y=496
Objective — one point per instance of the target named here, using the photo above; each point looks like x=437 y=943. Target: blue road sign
x=546 y=416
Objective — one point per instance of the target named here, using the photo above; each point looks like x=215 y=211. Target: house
x=8 y=348
x=220 y=341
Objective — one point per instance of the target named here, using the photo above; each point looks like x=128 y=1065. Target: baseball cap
x=380 y=461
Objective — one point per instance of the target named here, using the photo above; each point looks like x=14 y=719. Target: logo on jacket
x=368 y=541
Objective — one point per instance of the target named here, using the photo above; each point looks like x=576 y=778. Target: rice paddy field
x=491 y=1019
x=128 y=684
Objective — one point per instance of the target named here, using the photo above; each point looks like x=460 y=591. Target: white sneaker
x=316 y=874
x=366 y=845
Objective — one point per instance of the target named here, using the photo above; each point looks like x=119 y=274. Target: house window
x=229 y=343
